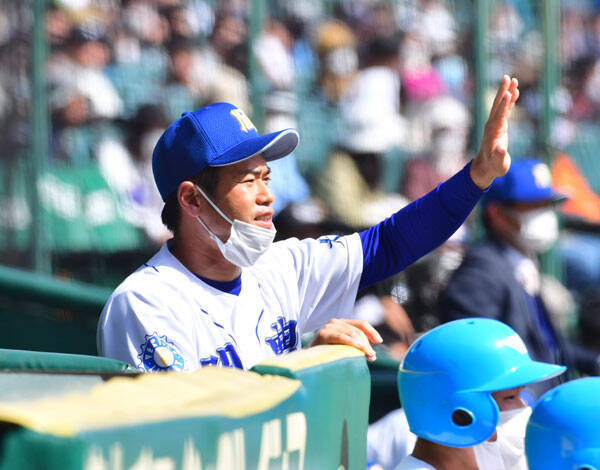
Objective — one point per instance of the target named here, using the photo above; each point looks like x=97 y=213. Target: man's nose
x=264 y=196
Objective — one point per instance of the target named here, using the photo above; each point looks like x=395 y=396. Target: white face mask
x=341 y=61
x=539 y=229
x=246 y=242
x=507 y=452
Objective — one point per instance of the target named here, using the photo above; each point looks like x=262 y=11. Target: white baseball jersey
x=165 y=317
x=411 y=463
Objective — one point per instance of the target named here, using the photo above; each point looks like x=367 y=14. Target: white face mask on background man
x=539 y=229
x=507 y=452
x=245 y=244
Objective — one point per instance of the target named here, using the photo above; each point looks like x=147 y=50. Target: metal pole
x=550 y=261
x=481 y=66
x=39 y=143
x=551 y=25
x=258 y=14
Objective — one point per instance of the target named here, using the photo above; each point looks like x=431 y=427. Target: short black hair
x=207 y=179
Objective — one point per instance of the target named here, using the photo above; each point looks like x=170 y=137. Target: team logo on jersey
x=159 y=354
x=285 y=337
x=245 y=122
x=330 y=240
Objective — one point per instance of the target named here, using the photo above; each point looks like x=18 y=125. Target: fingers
x=513 y=89
x=367 y=329
x=498 y=119
x=356 y=333
x=359 y=340
x=505 y=99
x=502 y=89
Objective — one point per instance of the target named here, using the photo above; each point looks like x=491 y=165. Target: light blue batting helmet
x=447 y=376
x=564 y=428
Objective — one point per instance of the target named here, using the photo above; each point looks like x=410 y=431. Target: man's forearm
x=418 y=228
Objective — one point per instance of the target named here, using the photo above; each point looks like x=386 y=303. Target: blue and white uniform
x=295 y=286
x=165 y=317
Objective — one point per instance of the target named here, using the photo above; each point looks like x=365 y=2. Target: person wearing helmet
x=460 y=386
x=563 y=431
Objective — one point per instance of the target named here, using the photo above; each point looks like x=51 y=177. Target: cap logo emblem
x=514 y=342
x=542 y=175
x=245 y=122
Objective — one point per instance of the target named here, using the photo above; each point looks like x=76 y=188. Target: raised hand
x=493 y=159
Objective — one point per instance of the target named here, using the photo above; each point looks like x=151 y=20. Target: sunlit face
x=509 y=399
x=243 y=192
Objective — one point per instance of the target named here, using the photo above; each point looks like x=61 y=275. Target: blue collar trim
x=229 y=287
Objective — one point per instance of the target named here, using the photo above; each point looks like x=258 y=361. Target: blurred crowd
x=381 y=92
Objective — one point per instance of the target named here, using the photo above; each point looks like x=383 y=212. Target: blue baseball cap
x=217 y=135
x=526 y=181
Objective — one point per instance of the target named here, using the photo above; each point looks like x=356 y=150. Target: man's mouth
x=265 y=221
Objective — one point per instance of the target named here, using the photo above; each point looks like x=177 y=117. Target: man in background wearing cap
x=500 y=278
x=220 y=293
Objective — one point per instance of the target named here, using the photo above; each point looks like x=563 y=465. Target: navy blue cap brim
x=550 y=197
x=272 y=146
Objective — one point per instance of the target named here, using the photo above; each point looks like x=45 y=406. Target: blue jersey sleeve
x=418 y=228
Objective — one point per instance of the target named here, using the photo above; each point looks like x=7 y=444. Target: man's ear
x=189 y=199
x=493 y=211
x=500 y=218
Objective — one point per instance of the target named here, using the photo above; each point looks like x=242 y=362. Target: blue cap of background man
x=216 y=135
x=527 y=180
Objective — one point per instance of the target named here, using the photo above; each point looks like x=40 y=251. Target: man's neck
x=203 y=258
x=443 y=457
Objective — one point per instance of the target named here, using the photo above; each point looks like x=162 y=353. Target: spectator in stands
x=371 y=127
x=446 y=124
x=127 y=168
x=81 y=70
x=220 y=67
x=580 y=244
x=287 y=183
x=501 y=278
x=338 y=59
x=273 y=51
x=182 y=90
x=589 y=319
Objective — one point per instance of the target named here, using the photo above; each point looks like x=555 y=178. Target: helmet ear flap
x=439 y=414
x=472 y=418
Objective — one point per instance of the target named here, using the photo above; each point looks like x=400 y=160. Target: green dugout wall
x=307 y=410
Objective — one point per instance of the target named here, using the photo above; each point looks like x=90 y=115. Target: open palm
x=493 y=159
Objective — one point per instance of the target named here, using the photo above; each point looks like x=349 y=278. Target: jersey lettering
x=209 y=361
x=227 y=357
x=285 y=337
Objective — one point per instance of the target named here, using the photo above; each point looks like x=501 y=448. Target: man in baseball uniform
x=221 y=293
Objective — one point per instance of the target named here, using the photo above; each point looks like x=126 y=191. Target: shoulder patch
x=160 y=354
